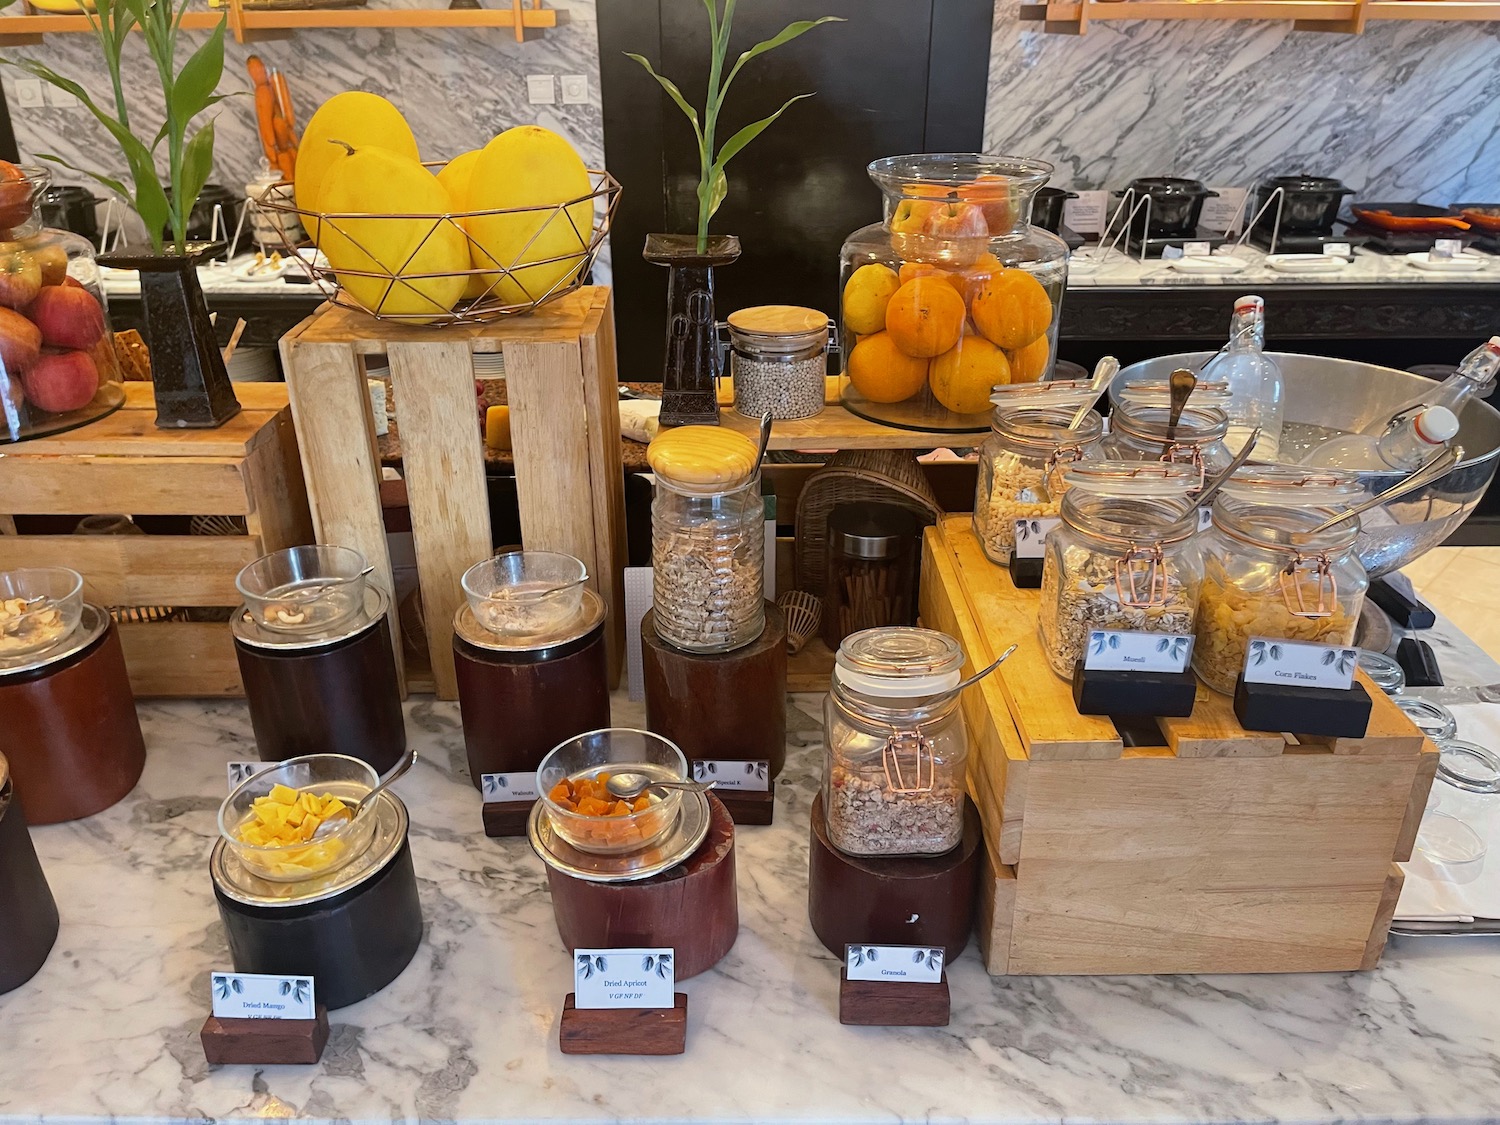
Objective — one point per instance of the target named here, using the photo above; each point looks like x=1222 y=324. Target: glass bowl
x=39 y=606
x=336 y=774
x=304 y=589
x=613 y=750
x=525 y=593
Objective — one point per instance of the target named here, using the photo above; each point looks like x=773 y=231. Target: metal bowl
x=1341 y=394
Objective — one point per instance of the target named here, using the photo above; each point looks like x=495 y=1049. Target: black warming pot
x=1309 y=204
x=1175 y=205
x=353 y=930
x=1047 y=209
x=73 y=208
x=28 y=913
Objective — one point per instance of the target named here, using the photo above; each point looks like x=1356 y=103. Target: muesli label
x=1269 y=660
x=1124 y=650
x=1031 y=536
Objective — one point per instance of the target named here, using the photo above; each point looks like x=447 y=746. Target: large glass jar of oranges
x=1141 y=427
x=57 y=355
x=1022 y=462
x=1266 y=574
x=953 y=294
x=1123 y=558
x=707 y=539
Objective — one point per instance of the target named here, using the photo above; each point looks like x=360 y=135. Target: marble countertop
x=109 y=1028
x=1095 y=267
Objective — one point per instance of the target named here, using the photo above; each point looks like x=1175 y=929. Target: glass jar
x=872 y=569
x=57 y=354
x=897 y=747
x=1138 y=429
x=778 y=360
x=1384 y=671
x=1432 y=719
x=1462 y=809
x=953 y=293
x=1123 y=557
x=1021 y=463
x=1266 y=575
x=708 y=554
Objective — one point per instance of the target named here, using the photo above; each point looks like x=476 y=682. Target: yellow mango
x=529 y=166
x=356 y=118
x=283 y=795
x=455 y=177
x=383 y=183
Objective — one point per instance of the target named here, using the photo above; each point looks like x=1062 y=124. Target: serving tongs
x=1438 y=465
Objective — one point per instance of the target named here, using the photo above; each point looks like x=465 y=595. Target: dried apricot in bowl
x=589 y=817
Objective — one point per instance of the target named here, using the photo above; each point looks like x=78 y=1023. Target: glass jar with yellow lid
x=1268 y=574
x=778 y=360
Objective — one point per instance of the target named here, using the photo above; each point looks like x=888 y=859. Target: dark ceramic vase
x=693 y=363
x=187 y=370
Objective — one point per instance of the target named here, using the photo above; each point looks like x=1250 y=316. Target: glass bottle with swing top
x=1266 y=575
x=897 y=747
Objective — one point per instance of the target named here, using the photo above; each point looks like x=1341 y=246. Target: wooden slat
x=181 y=658
x=1212 y=731
x=142 y=570
x=811 y=669
x=313 y=18
x=560 y=319
x=336 y=440
x=1416 y=805
x=601 y=398
x=995 y=912
x=837 y=428
x=279 y=515
x=1385 y=914
x=1390 y=732
x=443 y=460
x=193 y=486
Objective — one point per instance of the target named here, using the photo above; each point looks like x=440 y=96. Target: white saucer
x=1464 y=263
x=1307 y=263
x=1213 y=263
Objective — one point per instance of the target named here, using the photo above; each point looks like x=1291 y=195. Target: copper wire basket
x=604 y=198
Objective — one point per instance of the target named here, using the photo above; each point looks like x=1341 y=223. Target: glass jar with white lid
x=897 y=746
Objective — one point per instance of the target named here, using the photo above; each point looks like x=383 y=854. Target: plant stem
x=710 y=120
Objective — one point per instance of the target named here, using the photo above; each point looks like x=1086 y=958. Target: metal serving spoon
x=1181 y=383
x=628 y=785
x=352 y=810
x=1438 y=465
x=1239 y=459
x=1104 y=374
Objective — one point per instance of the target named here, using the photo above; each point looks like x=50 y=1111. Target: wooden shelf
x=835 y=428
x=1074 y=16
x=17 y=30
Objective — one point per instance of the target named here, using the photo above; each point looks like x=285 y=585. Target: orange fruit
x=1029 y=364
x=926 y=317
x=910 y=271
x=969 y=281
x=962 y=377
x=1012 y=309
x=866 y=294
x=882 y=372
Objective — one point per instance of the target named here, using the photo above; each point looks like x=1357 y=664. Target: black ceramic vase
x=187 y=370
x=693 y=363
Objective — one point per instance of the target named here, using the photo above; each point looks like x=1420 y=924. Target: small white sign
x=745 y=777
x=240 y=772
x=1205 y=517
x=1447 y=248
x=1124 y=650
x=541 y=89
x=624 y=978
x=1197 y=250
x=1269 y=660
x=1031 y=536
x=1337 y=250
x=255 y=996
x=508 y=787
x=914 y=964
x=1088 y=213
x=1224 y=213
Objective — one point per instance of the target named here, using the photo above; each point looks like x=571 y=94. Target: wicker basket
x=886 y=476
x=603 y=198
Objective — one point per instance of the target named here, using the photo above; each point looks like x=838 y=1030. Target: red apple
x=20 y=275
x=15 y=195
x=61 y=381
x=957 y=220
x=68 y=317
x=20 y=343
x=53 y=260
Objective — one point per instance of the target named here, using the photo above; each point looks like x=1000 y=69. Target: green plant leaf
x=785 y=35
x=737 y=142
x=213 y=101
x=199 y=78
x=112 y=184
x=197 y=165
x=672 y=92
x=718 y=189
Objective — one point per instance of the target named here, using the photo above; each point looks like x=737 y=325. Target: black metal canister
x=28 y=913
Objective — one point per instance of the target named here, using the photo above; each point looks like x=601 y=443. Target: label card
x=1031 y=536
x=1447 y=248
x=508 y=787
x=240 y=772
x=744 y=777
x=1299 y=664
x=1205 y=517
x=1337 y=250
x=1197 y=250
x=254 y=996
x=1224 y=213
x=1171 y=253
x=624 y=978
x=1123 y=650
x=1088 y=213
x=914 y=964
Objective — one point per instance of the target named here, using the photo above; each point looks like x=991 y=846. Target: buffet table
x=109 y=1028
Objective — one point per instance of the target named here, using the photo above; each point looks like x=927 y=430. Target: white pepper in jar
x=778 y=361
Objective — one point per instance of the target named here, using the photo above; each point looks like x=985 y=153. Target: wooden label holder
x=747 y=806
x=1158 y=695
x=878 y=1003
x=228 y=1042
x=624 y=1031
x=506 y=818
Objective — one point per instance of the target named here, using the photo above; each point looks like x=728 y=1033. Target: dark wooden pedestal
x=879 y=901
x=747 y=807
x=624 y=1031
x=873 y=1003
x=506 y=818
x=265 y=1042
x=693 y=908
x=728 y=706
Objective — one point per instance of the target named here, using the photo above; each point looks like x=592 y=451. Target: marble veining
x=108 y=1030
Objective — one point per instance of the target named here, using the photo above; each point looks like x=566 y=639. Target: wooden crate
x=565 y=426
x=1218 y=850
x=123 y=464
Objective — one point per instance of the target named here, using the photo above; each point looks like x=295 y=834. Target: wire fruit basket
x=557 y=247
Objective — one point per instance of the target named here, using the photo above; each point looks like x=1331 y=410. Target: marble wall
x=1405 y=111
x=457 y=88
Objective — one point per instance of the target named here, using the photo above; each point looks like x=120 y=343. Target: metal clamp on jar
x=1281 y=602
x=1021 y=481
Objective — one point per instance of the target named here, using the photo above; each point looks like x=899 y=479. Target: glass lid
x=899 y=661
x=1469 y=767
x=1383 y=671
x=1294 y=485
x=1158 y=480
x=1157 y=392
x=1432 y=719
